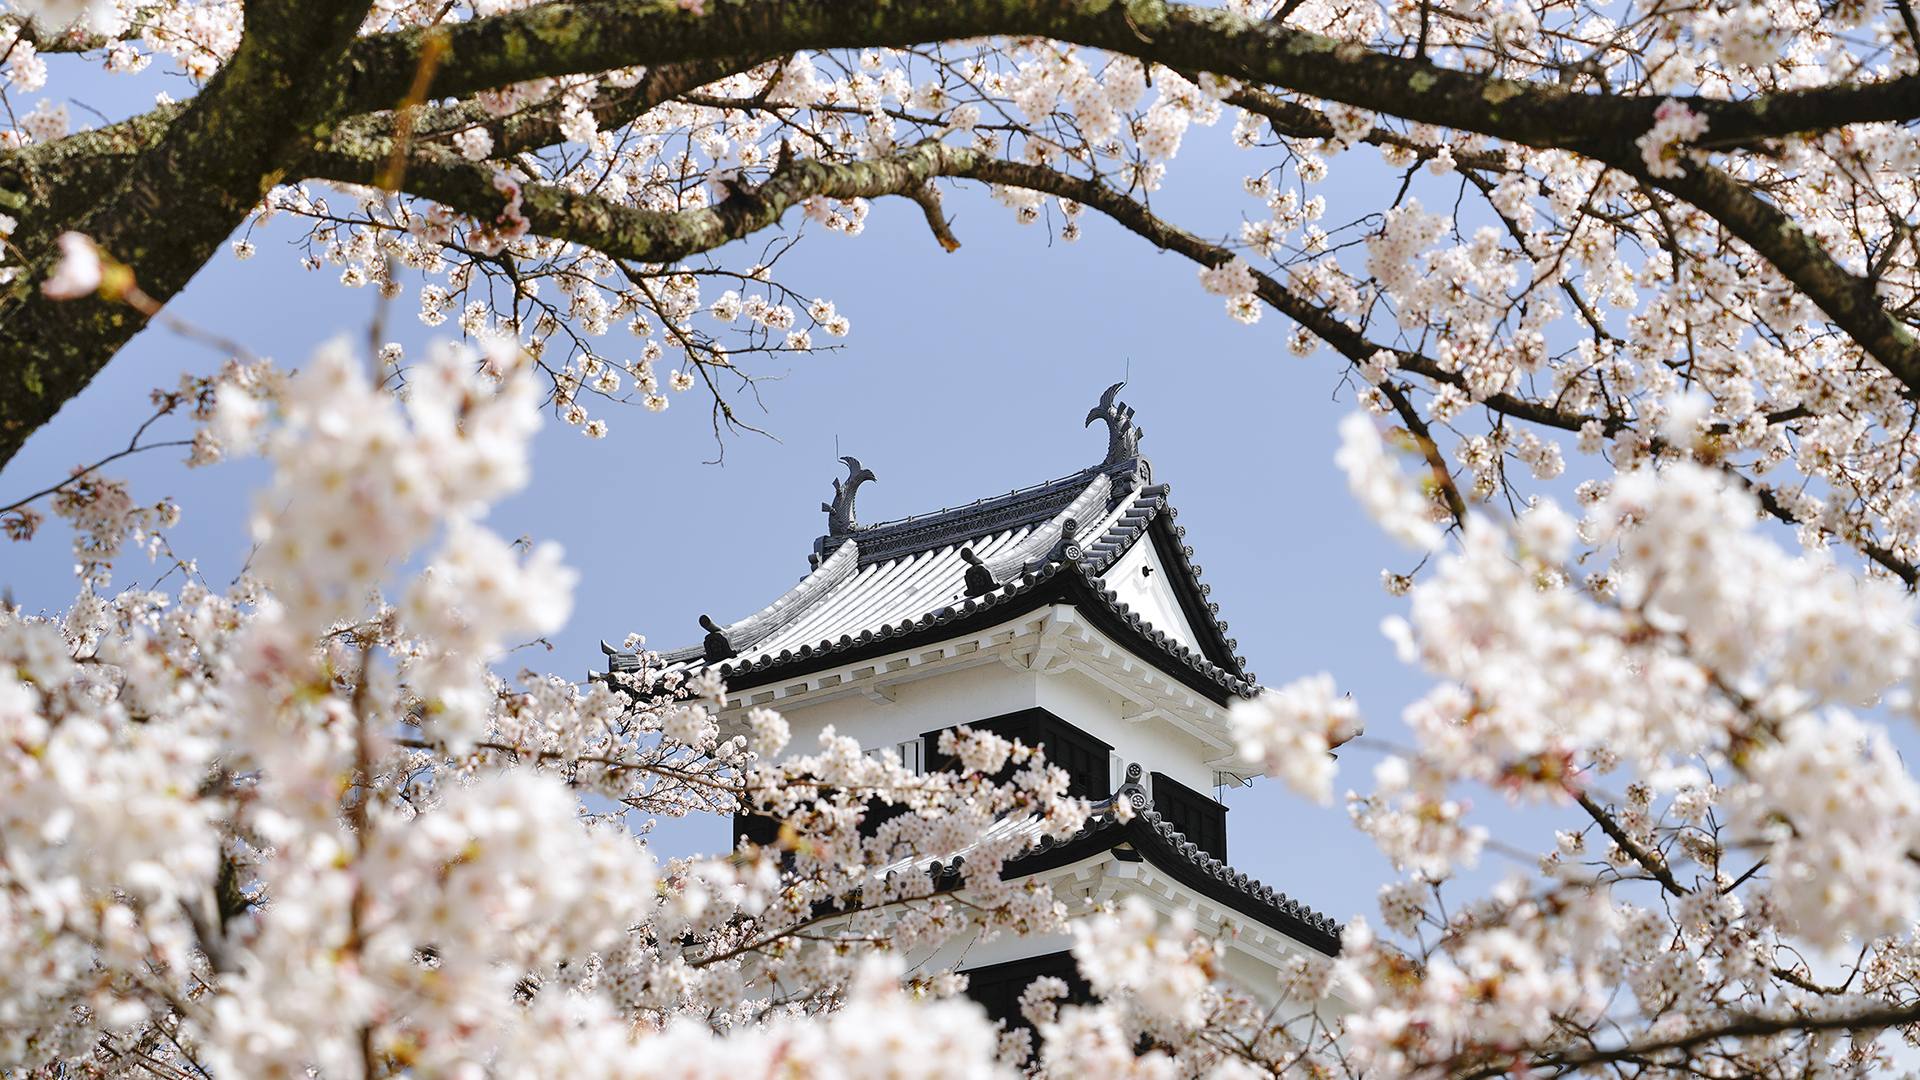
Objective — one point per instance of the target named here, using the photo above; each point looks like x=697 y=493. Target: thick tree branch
x=566 y=37
x=195 y=173
x=177 y=202
x=45 y=184
x=1847 y=299
x=649 y=236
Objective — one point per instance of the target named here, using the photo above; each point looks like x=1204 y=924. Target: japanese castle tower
x=1069 y=615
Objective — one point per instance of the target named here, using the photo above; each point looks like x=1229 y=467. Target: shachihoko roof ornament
x=840 y=519
x=1123 y=437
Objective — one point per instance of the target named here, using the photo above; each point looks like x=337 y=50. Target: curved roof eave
x=1055 y=582
x=1169 y=850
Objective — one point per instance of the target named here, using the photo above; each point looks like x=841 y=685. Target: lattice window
x=1203 y=820
x=997 y=987
x=1084 y=757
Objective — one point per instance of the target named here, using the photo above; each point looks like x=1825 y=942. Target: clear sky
x=966 y=375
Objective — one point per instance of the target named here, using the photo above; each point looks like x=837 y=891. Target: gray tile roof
x=872 y=585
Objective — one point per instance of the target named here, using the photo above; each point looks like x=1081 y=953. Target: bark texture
x=306 y=97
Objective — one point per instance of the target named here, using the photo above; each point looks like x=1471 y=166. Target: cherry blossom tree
x=303 y=824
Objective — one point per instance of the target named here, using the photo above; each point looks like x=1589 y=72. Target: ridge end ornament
x=716 y=645
x=1123 y=437
x=1133 y=791
x=979 y=579
x=840 y=519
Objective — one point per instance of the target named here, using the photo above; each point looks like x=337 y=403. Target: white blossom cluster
x=1708 y=672
x=294 y=825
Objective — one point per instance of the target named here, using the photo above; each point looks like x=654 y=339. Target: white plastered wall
x=952 y=696
x=1149 y=593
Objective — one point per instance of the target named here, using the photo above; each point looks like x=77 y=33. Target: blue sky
x=966 y=375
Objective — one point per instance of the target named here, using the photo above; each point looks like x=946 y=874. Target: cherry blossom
x=1624 y=305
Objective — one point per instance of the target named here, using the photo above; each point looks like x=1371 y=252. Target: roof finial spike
x=840 y=521
x=1123 y=438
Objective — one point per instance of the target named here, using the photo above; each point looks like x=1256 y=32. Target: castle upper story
x=1071 y=615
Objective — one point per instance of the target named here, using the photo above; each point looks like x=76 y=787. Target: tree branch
x=1737 y=1028
x=177 y=202
x=1348 y=341
x=1846 y=299
x=182 y=180
x=625 y=232
x=1429 y=449
x=613 y=107
x=567 y=37
x=1888 y=560
x=1650 y=861
x=1296 y=121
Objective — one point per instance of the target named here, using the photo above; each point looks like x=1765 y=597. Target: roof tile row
x=1154 y=836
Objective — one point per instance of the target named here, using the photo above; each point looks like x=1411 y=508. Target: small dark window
x=764 y=830
x=1084 y=757
x=1203 y=820
x=997 y=987
x=758 y=828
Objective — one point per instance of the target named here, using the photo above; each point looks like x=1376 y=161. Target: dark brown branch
x=1296 y=121
x=1429 y=449
x=1884 y=556
x=1907 y=19
x=1650 y=861
x=928 y=197
x=1848 y=300
x=566 y=37
x=1740 y=1027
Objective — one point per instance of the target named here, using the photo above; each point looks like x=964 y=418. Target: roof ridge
x=1028 y=552
x=743 y=633
x=1012 y=496
x=958 y=524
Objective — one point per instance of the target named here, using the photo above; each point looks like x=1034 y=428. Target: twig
x=1649 y=861
x=1428 y=448
x=133 y=447
x=928 y=197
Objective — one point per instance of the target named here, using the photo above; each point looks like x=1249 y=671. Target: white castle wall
x=952 y=696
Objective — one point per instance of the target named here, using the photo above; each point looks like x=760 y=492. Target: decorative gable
x=1139 y=579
